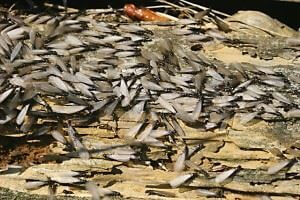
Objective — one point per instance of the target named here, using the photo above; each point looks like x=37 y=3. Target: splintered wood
x=149 y=110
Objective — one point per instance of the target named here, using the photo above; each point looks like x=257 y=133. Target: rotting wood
x=248 y=148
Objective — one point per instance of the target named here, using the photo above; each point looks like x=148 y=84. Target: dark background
x=284 y=11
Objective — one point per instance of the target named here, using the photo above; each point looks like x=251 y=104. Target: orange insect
x=142 y=14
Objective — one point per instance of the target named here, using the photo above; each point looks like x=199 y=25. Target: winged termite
x=143 y=135
x=193 y=166
x=134 y=130
x=180 y=81
x=45 y=87
x=210 y=125
x=206 y=193
x=126 y=48
x=215 y=117
x=30 y=18
x=166 y=104
x=66 y=76
x=245 y=118
x=294 y=78
x=76 y=50
x=93 y=189
x=223 y=99
x=2 y=52
x=160 y=193
x=71 y=109
x=17 y=33
x=281 y=97
x=151 y=141
x=124 y=88
x=180 y=161
x=98 y=192
x=89 y=73
x=222 y=25
x=180 y=31
x=18 y=81
x=279 y=166
x=125 y=54
x=256 y=90
x=248 y=96
x=15 y=101
x=59 y=61
x=42 y=19
x=78 y=146
x=267 y=108
x=32 y=37
x=5 y=94
x=41 y=131
x=51 y=191
x=186 y=21
x=131 y=28
x=73 y=41
x=39 y=43
x=150 y=85
x=34 y=184
x=4 y=44
x=15 y=52
x=179 y=180
x=293 y=113
x=99 y=105
x=183 y=115
x=111 y=107
x=120 y=157
x=158 y=133
x=57 y=82
x=66 y=179
x=124 y=91
x=274 y=82
x=266 y=70
x=225 y=175
x=112 y=38
x=201 y=14
x=84 y=89
x=276 y=152
x=58 y=136
x=22 y=114
x=177 y=128
x=199 y=81
x=197 y=111
x=211 y=72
